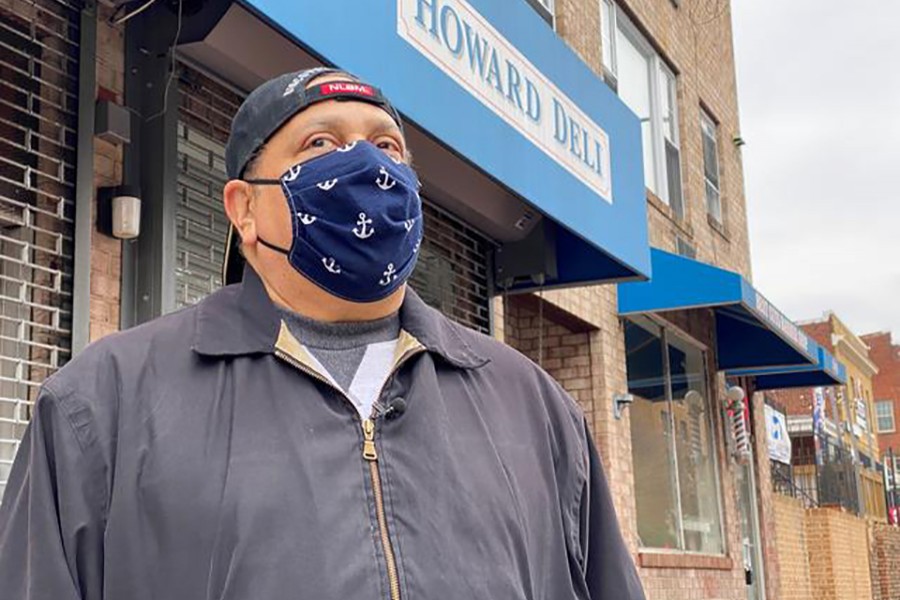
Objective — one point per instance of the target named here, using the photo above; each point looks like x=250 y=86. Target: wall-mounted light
x=620 y=403
x=119 y=211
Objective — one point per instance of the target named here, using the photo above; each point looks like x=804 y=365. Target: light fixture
x=620 y=403
x=119 y=211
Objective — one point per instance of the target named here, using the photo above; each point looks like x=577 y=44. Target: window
x=710 y=133
x=676 y=480
x=647 y=85
x=884 y=411
x=545 y=8
x=684 y=248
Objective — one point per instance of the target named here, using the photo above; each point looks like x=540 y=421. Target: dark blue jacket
x=200 y=456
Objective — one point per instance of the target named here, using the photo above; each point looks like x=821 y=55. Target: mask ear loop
x=262 y=181
x=259 y=238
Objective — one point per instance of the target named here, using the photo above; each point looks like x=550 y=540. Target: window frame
x=666 y=330
x=546 y=9
x=890 y=404
x=708 y=122
x=660 y=75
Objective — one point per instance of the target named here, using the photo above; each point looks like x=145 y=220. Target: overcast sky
x=819 y=93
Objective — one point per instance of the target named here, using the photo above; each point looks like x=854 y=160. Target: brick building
x=886 y=394
x=657 y=77
x=849 y=414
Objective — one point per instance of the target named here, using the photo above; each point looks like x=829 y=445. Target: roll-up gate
x=38 y=117
x=452 y=273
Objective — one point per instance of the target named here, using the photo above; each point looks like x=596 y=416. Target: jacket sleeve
x=51 y=518
x=609 y=569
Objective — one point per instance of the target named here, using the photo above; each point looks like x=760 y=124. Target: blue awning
x=827 y=371
x=491 y=83
x=750 y=332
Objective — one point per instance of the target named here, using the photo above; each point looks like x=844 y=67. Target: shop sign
x=777 y=320
x=818 y=418
x=459 y=41
x=777 y=436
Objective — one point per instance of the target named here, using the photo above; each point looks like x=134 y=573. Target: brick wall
x=588 y=358
x=885 y=561
x=792 y=549
x=563 y=351
x=695 y=39
x=106 y=252
x=886 y=383
x=839 y=555
x=765 y=497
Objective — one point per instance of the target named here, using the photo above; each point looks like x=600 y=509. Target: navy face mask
x=357 y=221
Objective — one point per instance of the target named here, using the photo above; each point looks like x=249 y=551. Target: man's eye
x=390 y=145
x=391 y=148
x=319 y=142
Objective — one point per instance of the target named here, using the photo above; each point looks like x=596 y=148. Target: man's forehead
x=343 y=115
x=329 y=77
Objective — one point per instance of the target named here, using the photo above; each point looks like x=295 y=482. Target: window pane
x=885 y=413
x=651 y=437
x=710 y=152
x=695 y=448
x=673 y=178
x=606 y=31
x=713 y=202
x=667 y=103
x=634 y=89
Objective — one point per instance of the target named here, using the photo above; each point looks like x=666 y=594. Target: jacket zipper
x=370 y=455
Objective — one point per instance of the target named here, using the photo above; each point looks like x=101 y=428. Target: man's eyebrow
x=373 y=124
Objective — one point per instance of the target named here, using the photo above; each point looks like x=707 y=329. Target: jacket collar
x=241 y=319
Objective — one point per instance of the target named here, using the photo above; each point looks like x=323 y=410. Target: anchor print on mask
x=327 y=185
x=306 y=218
x=347 y=148
x=388 y=276
x=331 y=265
x=292 y=174
x=363 y=229
x=388 y=182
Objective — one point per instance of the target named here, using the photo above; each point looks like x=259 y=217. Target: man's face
x=317 y=130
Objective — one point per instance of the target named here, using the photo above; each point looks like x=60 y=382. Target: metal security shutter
x=452 y=273
x=38 y=118
x=204 y=119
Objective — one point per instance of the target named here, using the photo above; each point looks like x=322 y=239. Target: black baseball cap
x=266 y=110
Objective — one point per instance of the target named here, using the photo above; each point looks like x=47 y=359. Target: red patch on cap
x=342 y=87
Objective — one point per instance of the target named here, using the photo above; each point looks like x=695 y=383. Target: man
x=314 y=431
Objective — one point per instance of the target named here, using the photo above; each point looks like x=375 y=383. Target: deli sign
x=467 y=48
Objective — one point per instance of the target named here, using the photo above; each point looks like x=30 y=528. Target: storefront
x=531 y=165
x=700 y=341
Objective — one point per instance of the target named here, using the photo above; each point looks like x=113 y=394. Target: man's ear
x=238 y=197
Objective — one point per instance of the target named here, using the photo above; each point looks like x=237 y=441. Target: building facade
x=848 y=416
x=886 y=393
x=623 y=120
